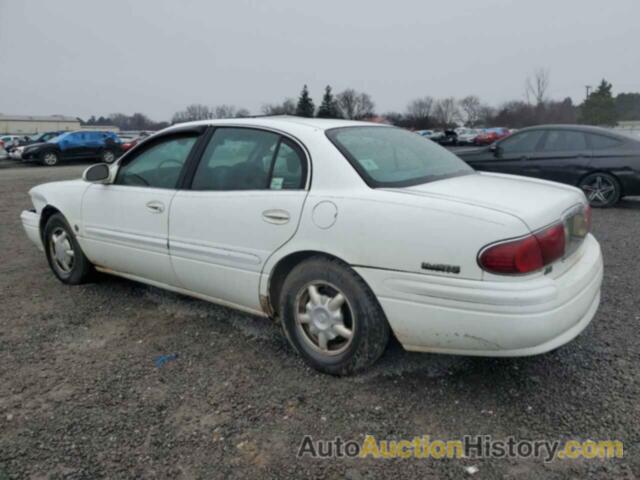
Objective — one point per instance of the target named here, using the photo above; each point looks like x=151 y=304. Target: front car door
x=125 y=224
x=242 y=204
x=509 y=155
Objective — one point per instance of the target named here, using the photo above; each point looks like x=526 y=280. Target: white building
x=29 y=124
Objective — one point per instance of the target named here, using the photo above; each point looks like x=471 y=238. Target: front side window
x=249 y=159
x=393 y=157
x=524 y=142
x=159 y=165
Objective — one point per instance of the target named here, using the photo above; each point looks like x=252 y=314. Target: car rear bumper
x=485 y=318
x=31 y=224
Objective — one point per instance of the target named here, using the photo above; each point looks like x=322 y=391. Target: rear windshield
x=393 y=157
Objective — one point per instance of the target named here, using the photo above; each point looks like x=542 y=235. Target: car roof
x=280 y=121
x=583 y=128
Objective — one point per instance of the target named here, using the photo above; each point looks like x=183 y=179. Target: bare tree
x=470 y=107
x=195 y=111
x=420 y=109
x=446 y=111
x=287 y=107
x=537 y=85
x=229 y=111
x=354 y=105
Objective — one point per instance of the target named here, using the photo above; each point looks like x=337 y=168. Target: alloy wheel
x=108 y=157
x=599 y=190
x=324 y=318
x=50 y=158
x=61 y=251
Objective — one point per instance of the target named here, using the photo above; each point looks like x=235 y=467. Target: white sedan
x=345 y=232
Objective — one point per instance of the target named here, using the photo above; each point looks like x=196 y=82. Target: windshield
x=393 y=157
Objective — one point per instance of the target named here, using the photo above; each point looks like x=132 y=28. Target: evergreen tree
x=305 y=107
x=329 y=106
x=599 y=108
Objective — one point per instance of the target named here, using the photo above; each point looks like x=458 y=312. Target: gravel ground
x=81 y=396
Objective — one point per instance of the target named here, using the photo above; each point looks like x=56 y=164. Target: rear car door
x=125 y=224
x=564 y=156
x=243 y=202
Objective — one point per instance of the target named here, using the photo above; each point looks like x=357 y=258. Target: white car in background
x=343 y=231
x=466 y=136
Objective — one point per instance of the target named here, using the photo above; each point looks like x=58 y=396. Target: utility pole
x=588 y=89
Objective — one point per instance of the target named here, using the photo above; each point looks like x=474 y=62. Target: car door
x=564 y=156
x=509 y=155
x=125 y=224
x=243 y=203
x=71 y=145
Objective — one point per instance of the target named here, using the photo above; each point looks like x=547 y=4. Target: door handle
x=155 y=206
x=278 y=217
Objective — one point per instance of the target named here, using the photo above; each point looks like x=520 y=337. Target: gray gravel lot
x=81 y=397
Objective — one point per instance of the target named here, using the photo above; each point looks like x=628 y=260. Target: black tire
x=108 y=156
x=49 y=159
x=601 y=189
x=80 y=269
x=360 y=312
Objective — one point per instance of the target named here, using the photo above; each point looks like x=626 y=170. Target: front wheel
x=332 y=318
x=65 y=257
x=50 y=159
x=602 y=190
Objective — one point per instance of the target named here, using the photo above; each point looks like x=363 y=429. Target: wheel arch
x=606 y=172
x=283 y=267
x=47 y=212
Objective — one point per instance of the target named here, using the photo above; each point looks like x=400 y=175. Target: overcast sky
x=80 y=57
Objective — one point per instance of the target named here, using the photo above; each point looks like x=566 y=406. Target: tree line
x=599 y=108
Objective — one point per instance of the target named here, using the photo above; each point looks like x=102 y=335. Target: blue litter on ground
x=162 y=359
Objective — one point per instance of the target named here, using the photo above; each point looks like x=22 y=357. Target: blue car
x=81 y=145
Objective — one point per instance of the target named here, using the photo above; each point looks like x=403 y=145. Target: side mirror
x=99 y=173
x=495 y=148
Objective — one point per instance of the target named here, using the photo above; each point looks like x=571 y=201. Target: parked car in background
x=490 y=135
x=446 y=138
x=601 y=162
x=130 y=140
x=466 y=136
x=83 y=144
x=16 y=151
x=8 y=141
x=481 y=264
x=426 y=133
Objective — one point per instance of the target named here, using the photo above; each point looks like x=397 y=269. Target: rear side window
x=564 y=141
x=158 y=166
x=602 y=142
x=393 y=157
x=249 y=159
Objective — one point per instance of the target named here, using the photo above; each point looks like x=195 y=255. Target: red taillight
x=552 y=243
x=587 y=218
x=527 y=254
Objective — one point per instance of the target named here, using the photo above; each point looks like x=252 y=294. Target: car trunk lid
x=537 y=203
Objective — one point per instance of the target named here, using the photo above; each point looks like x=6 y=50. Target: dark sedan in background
x=604 y=164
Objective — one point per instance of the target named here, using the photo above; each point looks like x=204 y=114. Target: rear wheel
x=66 y=259
x=332 y=318
x=602 y=190
x=108 y=156
x=49 y=159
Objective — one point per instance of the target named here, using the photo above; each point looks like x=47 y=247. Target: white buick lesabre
x=343 y=231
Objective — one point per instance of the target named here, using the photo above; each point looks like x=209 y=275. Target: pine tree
x=600 y=107
x=305 y=106
x=329 y=107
